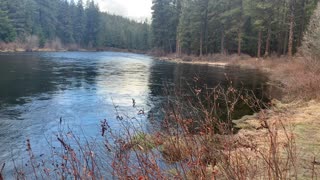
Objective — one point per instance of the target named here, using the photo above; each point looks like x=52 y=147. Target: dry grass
x=211 y=58
x=275 y=143
x=299 y=121
x=299 y=78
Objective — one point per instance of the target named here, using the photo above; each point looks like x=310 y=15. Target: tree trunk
x=290 y=43
x=268 y=42
x=279 y=43
x=170 y=46
x=178 y=49
x=239 y=42
x=240 y=32
x=222 y=42
x=206 y=27
x=285 y=44
x=201 y=43
x=281 y=33
x=259 y=43
x=302 y=26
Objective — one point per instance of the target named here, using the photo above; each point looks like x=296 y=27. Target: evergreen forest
x=47 y=23
x=255 y=27
x=199 y=27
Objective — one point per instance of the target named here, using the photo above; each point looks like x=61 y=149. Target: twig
x=2 y=167
x=67 y=147
x=313 y=168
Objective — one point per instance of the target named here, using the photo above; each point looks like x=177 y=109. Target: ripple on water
x=83 y=88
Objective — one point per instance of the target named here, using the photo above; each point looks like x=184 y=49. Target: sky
x=134 y=9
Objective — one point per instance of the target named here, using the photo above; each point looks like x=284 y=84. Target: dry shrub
x=215 y=57
x=299 y=78
x=205 y=58
x=196 y=144
x=175 y=149
x=157 y=52
x=54 y=44
x=311 y=64
x=267 y=153
x=303 y=85
x=32 y=42
x=73 y=47
x=12 y=46
x=233 y=158
x=187 y=58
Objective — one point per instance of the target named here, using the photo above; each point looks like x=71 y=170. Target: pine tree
x=65 y=29
x=92 y=24
x=16 y=12
x=52 y=21
x=311 y=41
x=7 y=31
x=232 y=19
x=48 y=18
x=184 y=29
x=31 y=13
x=79 y=24
x=164 y=24
x=145 y=44
x=262 y=14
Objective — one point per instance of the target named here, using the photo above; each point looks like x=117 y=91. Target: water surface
x=83 y=88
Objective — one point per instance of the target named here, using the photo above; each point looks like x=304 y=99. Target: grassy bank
x=293 y=129
x=292 y=121
x=298 y=112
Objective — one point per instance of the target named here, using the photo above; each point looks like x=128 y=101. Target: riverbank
x=20 y=50
x=298 y=77
x=190 y=60
x=287 y=132
x=294 y=120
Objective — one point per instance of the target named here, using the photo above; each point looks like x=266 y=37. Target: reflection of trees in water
x=180 y=83
x=27 y=75
x=21 y=76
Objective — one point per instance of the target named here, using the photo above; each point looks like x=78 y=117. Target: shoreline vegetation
x=20 y=50
x=279 y=141
x=294 y=117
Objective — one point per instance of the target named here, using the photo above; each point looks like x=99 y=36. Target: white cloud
x=135 y=9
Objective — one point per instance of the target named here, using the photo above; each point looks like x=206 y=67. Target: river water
x=37 y=90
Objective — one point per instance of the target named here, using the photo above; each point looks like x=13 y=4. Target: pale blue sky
x=135 y=9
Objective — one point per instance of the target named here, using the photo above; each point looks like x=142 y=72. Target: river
x=37 y=90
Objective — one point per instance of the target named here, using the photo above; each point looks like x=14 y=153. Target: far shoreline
x=108 y=49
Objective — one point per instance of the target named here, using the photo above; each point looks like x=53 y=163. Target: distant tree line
x=254 y=27
x=70 y=23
